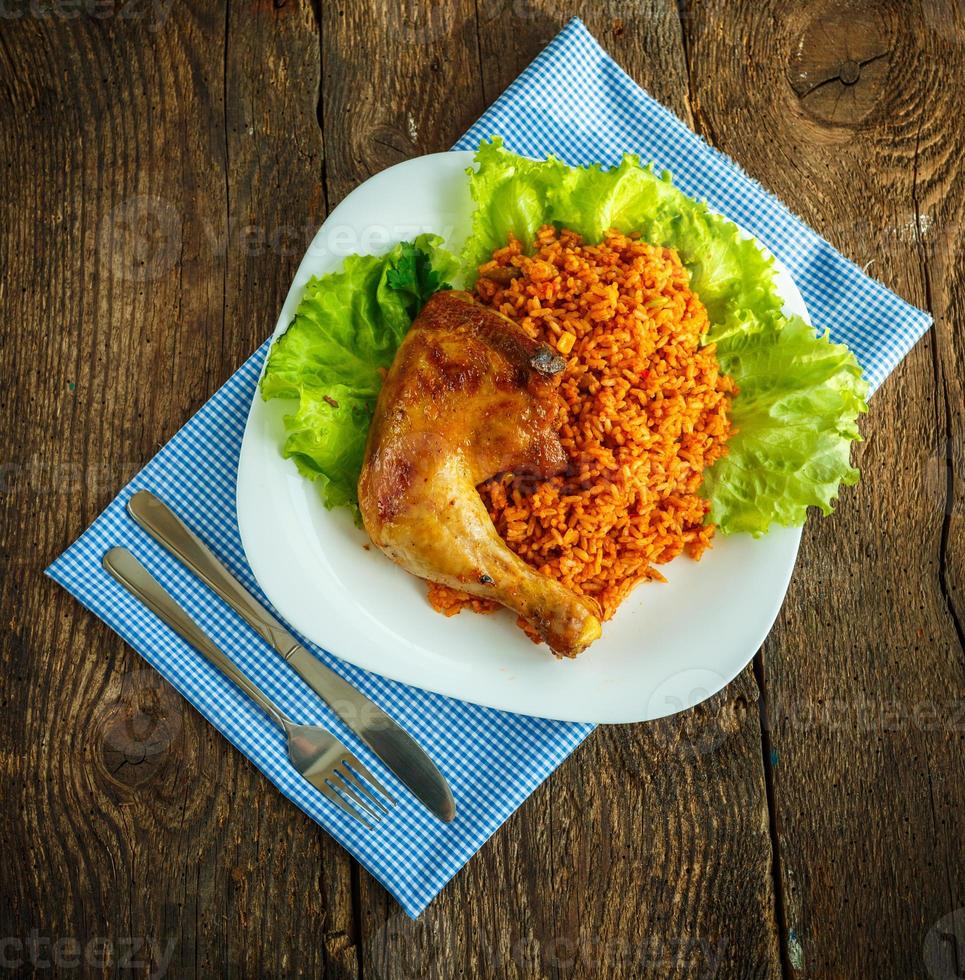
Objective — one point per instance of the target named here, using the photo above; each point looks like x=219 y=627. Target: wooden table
x=164 y=165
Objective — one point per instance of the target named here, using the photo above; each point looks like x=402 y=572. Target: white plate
x=669 y=646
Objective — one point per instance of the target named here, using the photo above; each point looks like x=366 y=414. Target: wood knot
x=388 y=143
x=135 y=733
x=849 y=72
x=839 y=62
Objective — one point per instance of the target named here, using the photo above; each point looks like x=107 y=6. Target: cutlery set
x=315 y=753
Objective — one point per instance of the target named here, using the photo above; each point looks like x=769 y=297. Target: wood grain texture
x=164 y=172
x=864 y=671
x=646 y=39
x=126 y=301
x=398 y=80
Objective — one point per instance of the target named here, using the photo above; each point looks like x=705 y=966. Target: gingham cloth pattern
x=575 y=102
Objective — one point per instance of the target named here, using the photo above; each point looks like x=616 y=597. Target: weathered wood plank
x=645 y=38
x=126 y=302
x=398 y=80
x=276 y=201
x=846 y=113
x=276 y=194
x=648 y=853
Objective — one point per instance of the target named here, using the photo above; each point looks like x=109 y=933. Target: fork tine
x=338 y=780
x=342 y=803
x=354 y=780
x=349 y=760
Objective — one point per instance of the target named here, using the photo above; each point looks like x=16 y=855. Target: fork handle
x=129 y=572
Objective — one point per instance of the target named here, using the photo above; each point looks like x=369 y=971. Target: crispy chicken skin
x=468 y=396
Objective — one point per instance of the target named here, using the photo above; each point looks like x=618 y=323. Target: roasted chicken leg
x=468 y=396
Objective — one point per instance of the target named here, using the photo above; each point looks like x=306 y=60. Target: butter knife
x=382 y=734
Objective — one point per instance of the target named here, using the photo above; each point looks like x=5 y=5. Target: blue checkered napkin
x=573 y=101
x=576 y=102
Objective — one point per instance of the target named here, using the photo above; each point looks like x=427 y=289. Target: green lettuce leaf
x=512 y=197
x=795 y=419
x=331 y=358
x=799 y=394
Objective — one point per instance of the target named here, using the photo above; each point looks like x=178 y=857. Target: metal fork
x=314 y=752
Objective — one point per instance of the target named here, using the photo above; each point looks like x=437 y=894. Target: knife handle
x=155 y=517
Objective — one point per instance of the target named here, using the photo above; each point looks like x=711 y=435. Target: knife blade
x=379 y=731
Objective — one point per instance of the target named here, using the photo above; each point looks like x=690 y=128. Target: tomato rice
x=644 y=414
